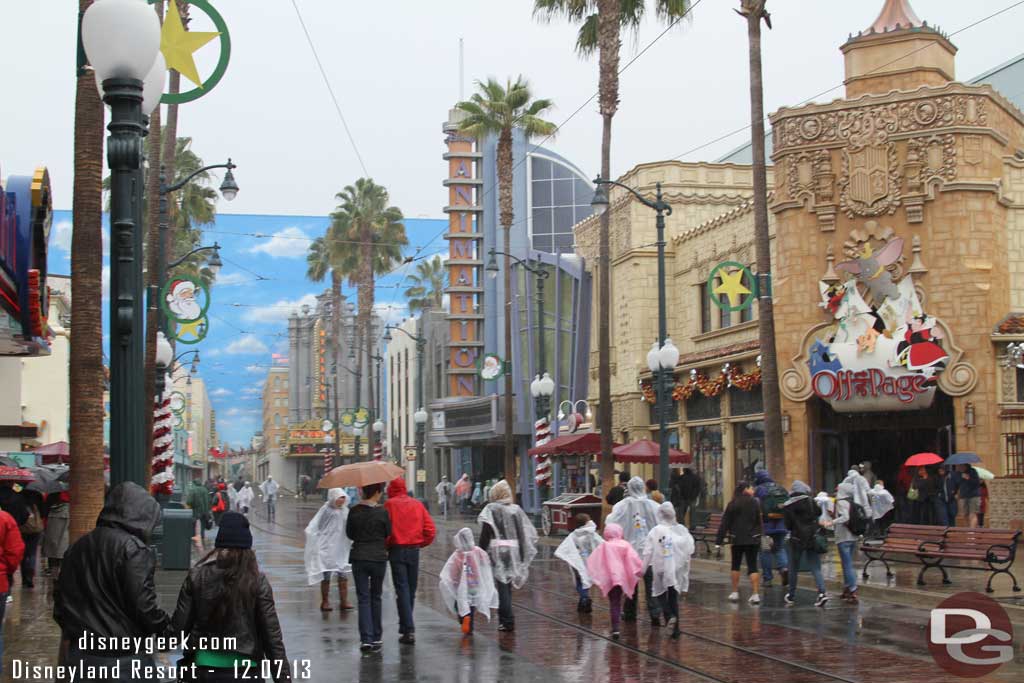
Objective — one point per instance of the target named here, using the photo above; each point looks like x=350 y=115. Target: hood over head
x=847 y=490
x=334 y=494
x=636 y=488
x=612 y=532
x=501 y=492
x=762 y=477
x=464 y=540
x=667 y=513
x=129 y=507
x=247 y=484
x=799 y=487
x=396 y=487
x=584 y=529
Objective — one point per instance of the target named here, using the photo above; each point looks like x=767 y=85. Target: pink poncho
x=614 y=563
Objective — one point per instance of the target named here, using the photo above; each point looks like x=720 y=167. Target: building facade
x=402 y=398
x=273 y=444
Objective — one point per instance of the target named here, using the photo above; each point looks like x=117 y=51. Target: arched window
x=559 y=199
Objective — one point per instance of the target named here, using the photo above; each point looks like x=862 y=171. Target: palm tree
x=601 y=22
x=428 y=283
x=496 y=110
x=754 y=12
x=327 y=255
x=364 y=220
x=86 y=374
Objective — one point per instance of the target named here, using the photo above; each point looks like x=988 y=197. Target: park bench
x=707 y=533
x=900 y=544
x=991 y=550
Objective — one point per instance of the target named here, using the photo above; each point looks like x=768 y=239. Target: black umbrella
x=49 y=479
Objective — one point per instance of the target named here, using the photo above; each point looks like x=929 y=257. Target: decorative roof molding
x=896 y=14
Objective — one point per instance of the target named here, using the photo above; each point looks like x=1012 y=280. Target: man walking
x=411 y=529
x=689 y=489
x=269 y=490
x=198 y=499
x=772 y=498
x=105 y=599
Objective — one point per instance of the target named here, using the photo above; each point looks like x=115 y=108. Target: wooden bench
x=996 y=549
x=708 y=532
x=902 y=541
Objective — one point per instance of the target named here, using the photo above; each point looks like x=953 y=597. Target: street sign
x=410 y=453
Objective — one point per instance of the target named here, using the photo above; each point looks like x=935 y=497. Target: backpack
x=858 y=522
x=772 y=502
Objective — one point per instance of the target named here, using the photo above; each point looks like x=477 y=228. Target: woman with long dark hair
x=226 y=604
x=742 y=522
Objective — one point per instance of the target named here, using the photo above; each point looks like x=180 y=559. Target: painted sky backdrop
x=263 y=280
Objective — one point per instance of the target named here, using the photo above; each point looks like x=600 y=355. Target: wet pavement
x=878 y=640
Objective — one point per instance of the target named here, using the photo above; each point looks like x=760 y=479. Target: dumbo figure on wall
x=870 y=269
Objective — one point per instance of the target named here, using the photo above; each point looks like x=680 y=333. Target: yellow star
x=732 y=286
x=194 y=327
x=179 y=45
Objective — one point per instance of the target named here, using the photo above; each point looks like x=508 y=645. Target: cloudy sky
x=395 y=75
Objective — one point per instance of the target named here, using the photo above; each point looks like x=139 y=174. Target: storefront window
x=706 y=444
x=700 y=407
x=745 y=402
x=749 y=450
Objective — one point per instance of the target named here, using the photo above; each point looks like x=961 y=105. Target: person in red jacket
x=11 y=550
x=411 y=529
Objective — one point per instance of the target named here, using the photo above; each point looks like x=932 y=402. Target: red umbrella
x=8 y=473
x=922 y=459
x=647 y=451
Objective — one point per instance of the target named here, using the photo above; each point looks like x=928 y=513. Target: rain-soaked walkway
x=722 y=641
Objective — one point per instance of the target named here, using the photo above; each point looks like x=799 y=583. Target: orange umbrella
x=922 y=459
x=361 y=474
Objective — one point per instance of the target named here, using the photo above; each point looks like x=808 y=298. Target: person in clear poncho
x=882 y=503
x=574 y=551
x=327 y=549
x=509 y=537
x=467 y=582
x=861 y=491
x=637 y=515
x=667 y=552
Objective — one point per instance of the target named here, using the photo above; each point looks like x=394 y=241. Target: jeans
x=942 y=513
x=28 y=560
x=271 y=508
x=776 y=558
x=670 y=604
x=405 y=569
x=615 y=606
x=846 y=549
x=813 y=564
x=653 y=605
x=584 y=593
x=951 y=510
x=369 y=580
x=505 y=616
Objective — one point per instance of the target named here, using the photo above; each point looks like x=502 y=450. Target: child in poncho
x=667 y=551
x=615 y=568
x=327 y=549
x=467 y=583
x=574 y=551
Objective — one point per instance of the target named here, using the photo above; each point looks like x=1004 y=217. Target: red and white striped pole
x=542 y=473
x=378 y=451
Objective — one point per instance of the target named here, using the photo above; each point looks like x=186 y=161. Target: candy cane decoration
x=328 y=461
x=542 y=473
x=162 y=480
x=378 y=451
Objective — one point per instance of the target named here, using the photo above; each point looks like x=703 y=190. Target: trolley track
x=667 y=661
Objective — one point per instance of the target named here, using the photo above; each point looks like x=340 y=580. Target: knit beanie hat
x=234 y=531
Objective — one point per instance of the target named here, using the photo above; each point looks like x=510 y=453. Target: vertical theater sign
x=465 y=233
x=25 y=218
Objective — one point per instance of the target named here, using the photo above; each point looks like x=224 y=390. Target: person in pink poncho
x=615 y=568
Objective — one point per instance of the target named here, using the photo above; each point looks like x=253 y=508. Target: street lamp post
x=543 y=387
x=662 y=361
x=122 y=40
x=420 y=416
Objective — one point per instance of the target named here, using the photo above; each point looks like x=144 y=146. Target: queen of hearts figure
x=920 y=350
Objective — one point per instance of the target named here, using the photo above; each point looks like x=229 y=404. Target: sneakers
x=672 y=623
x=376 y=647
x=822 y=599
x=588 y=606
x=788 y=599
x=408 y=639
x=365 y=647
x=755 y=599
x=467 y=625
x=734 y=597
x=615 y=635
x=507 y=627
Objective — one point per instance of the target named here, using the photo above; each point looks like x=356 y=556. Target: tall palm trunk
x=86 y=374
x=366 y=320
x=152 y=252
x=754 y=12
x=506 y=215
x=608 y=59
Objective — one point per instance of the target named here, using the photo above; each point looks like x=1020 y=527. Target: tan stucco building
x=898 y=258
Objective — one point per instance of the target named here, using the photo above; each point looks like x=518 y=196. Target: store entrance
x=883 y=439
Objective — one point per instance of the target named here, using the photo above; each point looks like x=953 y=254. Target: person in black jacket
x=227 y=596
x=106 y=588
x=369 y=527
x=618 y=492
x=742 y=521
x=686 y=490
x=801 y=516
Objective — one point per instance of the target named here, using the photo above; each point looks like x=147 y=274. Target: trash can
x=175 y=543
